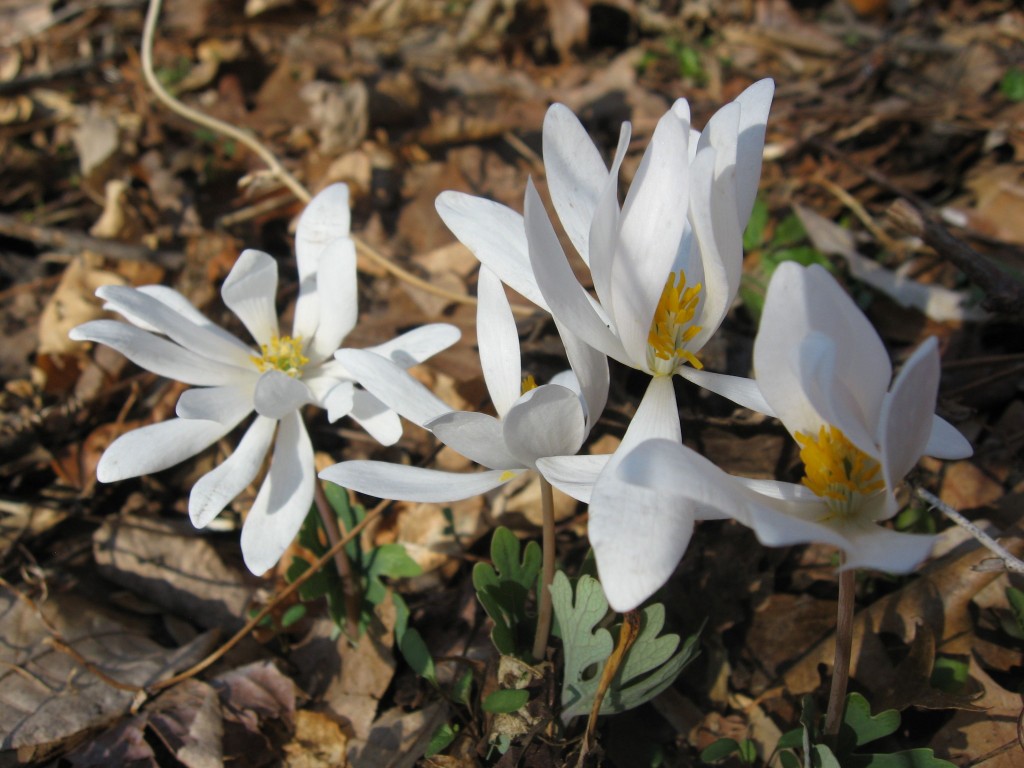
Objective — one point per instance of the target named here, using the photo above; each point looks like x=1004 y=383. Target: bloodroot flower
x=825 y=373
x=165 y=334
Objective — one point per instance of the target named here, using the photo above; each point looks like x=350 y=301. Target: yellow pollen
x=283 y=353
x=527 y=384
x=838 y=471
x=671 y=328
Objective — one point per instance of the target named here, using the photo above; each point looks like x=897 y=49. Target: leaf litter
x=403 y=100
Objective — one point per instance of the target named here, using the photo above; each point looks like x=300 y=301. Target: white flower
x=665 y=268
x=825 y=373
x=533 y=421
x=170 y=337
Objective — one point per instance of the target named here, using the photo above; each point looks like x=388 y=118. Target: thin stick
x=1003 y=294
x=353 y=598
x=627 y=636
x=275 y=166
x=540 y=639
x=1012 y=563
x=844 y=648
x=282 y=595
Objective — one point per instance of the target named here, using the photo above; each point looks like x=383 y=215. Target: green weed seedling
x=503 y=589
x=859 y=728
x=370 y=566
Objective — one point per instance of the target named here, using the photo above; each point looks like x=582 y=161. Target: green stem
x=353 y=600
x=844 y=647
x=540 y=640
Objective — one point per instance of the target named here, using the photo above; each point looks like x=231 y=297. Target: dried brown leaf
x=47 y=693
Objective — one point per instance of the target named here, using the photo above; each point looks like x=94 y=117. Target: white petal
x=946 y=442
x=419 y=344
x=390 y=384
x=604 y=229
x=496 y=236
x=380 y=422
x=573 y=475
x=220 y=404
x=571 y=304
x=575 y=173
x=651 y=228
x=669 y=467
x=157 y=354
x=176 y=301
x=339 y=401
x=476 y=436
x=498 y=340
x=174 y=325
x=739 y=389
x=656 y=416
x=873 y=546
x=219 y=486
x=590 y=369
x=250 y=291
x=396 y=481
x=158 y=446
x=755 y=103
x=325 y=219
x=278 y=394
x=339 y=301
x=638 y=537
x=810 y=299
x=720 y=241
x=907 y=413
x=546 y=421
x=638 y=534
x=801 y=300
x=284 y=499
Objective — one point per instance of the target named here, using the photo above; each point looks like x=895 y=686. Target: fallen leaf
x=47 y=695
x=187 y=718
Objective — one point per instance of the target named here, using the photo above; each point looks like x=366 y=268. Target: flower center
x=283 y=353
x=838 y=471
x=527 y=384
x=672 y=326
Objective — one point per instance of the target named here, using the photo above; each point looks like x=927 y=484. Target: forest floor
x=107 y=588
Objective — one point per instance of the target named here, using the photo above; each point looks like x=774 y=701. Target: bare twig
x=1003 y=294
x=276 y=168
x=70 y=241
x=265 y=611
x=1012 y=563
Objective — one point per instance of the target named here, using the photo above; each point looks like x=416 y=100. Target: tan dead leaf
x=175 y=567
x=97 y=138
x=123 y=744
x=339 y=112
x=19 y=520
x=319 y=742
x=570 y=23
x=399 y=738
x=998 y=208
x=73 y=303
x=120 y=220
x=939 y=598
x=254 y=694
x=211 y=54
x=966 y=486
x=348 y=681
x=188 y=720
x=993 y=730
x=47 y=694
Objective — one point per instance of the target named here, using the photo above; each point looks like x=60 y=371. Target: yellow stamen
x=283 y=353
x=527 y=384
x=838 y=471
x=671 y=328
